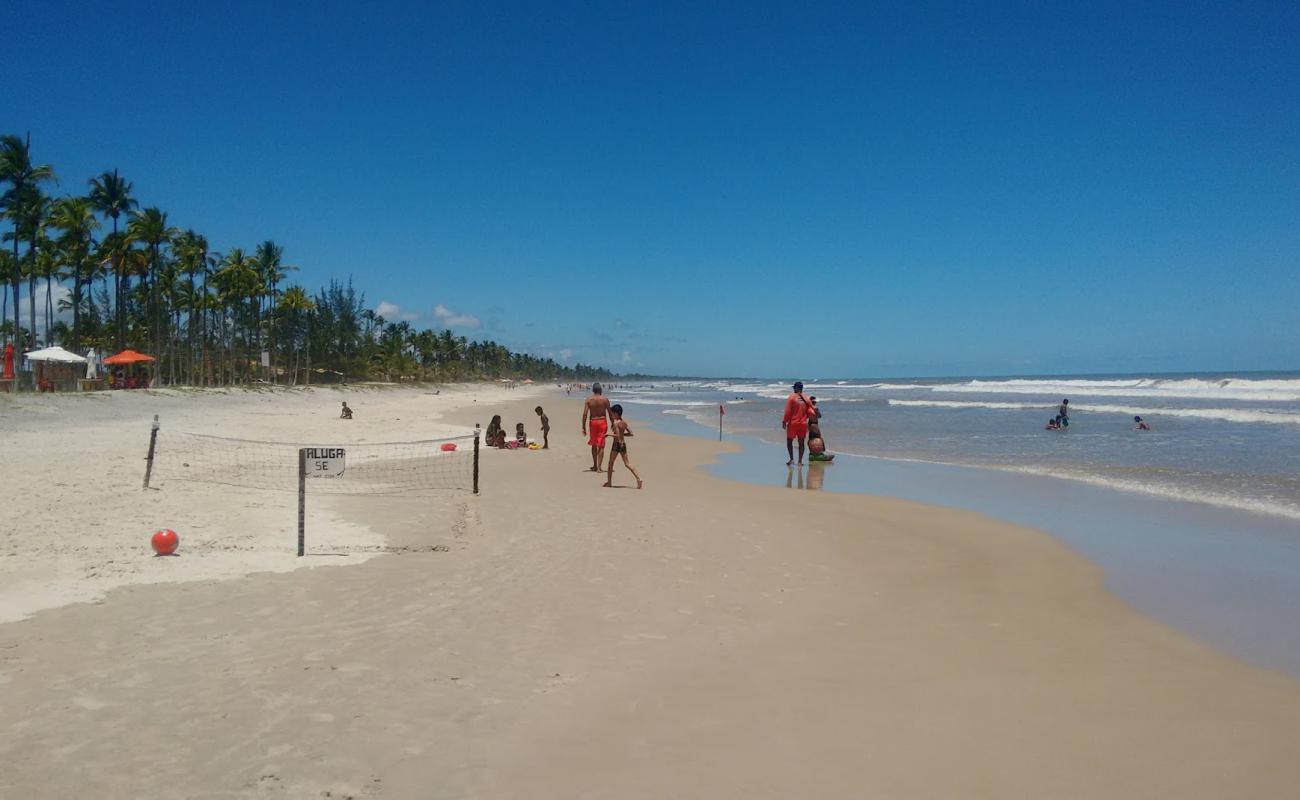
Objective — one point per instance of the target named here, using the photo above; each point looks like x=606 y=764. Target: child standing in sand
x=546 y=428
x=619 y=429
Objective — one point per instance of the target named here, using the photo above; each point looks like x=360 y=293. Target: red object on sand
x=447 y=447
x=165 y=542
x=9 y=362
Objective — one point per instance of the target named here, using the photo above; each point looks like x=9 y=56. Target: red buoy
x=165 y=542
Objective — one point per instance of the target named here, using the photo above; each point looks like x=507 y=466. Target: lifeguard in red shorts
x=795 y=421
x=596 y=409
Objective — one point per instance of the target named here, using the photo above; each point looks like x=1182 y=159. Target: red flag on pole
x=721 y=410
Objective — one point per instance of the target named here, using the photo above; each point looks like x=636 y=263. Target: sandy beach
x=552 y=639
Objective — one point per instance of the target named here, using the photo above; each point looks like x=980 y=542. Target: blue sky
x=740 y=189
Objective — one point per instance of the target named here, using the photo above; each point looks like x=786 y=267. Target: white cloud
x=58 y=292
x=566 y=354
x=392 y=312
x=627 y=357
x=454 y=319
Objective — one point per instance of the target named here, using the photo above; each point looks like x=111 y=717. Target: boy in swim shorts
x=546 y=428
x=619 y=430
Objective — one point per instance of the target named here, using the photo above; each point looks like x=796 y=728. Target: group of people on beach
x=802 y=423
x=495 y=435
x=605 y=421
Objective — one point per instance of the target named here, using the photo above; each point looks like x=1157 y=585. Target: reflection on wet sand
x=794 y=477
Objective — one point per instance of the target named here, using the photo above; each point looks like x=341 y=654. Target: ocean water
x=1231 y=441
x=1196 y=522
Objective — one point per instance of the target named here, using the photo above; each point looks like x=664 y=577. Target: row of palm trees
x=132 y=279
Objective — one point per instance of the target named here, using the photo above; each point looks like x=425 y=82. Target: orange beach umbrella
x=127 y=357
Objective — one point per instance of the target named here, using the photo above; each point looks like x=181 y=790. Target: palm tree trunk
x=17 y=281
x=49 y=307
x=31 y=304
x=116 y=265
x=76 y=311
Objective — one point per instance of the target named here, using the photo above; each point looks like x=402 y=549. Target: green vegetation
x=135 y=280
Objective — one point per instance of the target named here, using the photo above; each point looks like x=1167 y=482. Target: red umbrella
x=127 y=357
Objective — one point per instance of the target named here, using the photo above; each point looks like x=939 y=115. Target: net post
x=476 y=439
x=302 y=500
x=153 y=444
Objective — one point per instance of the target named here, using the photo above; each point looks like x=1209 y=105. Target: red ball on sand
x=165 y=542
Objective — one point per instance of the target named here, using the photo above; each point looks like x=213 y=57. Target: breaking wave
x=1246 y=415
x=1247 y=389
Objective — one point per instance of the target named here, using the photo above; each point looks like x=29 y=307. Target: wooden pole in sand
x=302 y=500
x=153 y=444
x=476 y=438
x=720 y=413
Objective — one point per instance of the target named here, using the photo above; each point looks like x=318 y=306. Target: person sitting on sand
x=546 y=428
x=1140 y=425
x=597 y=410
x=619 y=430
x=795 y=421
x=495 y=436
x=520 y=436
x=346 y=413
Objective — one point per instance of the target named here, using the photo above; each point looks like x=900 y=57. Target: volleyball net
x=367 y=468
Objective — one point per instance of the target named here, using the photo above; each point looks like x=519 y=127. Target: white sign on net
x=326 y=462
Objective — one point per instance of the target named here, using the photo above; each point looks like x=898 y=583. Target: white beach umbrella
x=55 y=354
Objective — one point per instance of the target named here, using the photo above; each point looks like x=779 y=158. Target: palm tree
x=270 y=260
x=191 y=251
x=46 y=266
x=240 y=281
x=150 y=227
x=17 y=169
x=7 y=266
x=294 y=309
x=111 y=195
x=76 y=218
x=29 y=211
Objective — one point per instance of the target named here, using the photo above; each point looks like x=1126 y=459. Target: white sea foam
x=647 y=401
x=1186 y=494
x=1247 y=415
x=1156 y=489
x=825 y=387
x=1285 y=390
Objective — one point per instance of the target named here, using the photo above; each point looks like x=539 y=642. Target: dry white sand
x=696 y=639
x=77 y=524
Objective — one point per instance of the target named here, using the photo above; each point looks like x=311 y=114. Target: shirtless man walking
x=596 y=409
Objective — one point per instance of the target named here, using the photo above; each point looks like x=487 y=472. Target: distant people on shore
x=795 y=422
x=620 y=430
x=546 y=428
x=346 y=413
x=596 y=411
x=1140 y=424
x=1063 y=414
